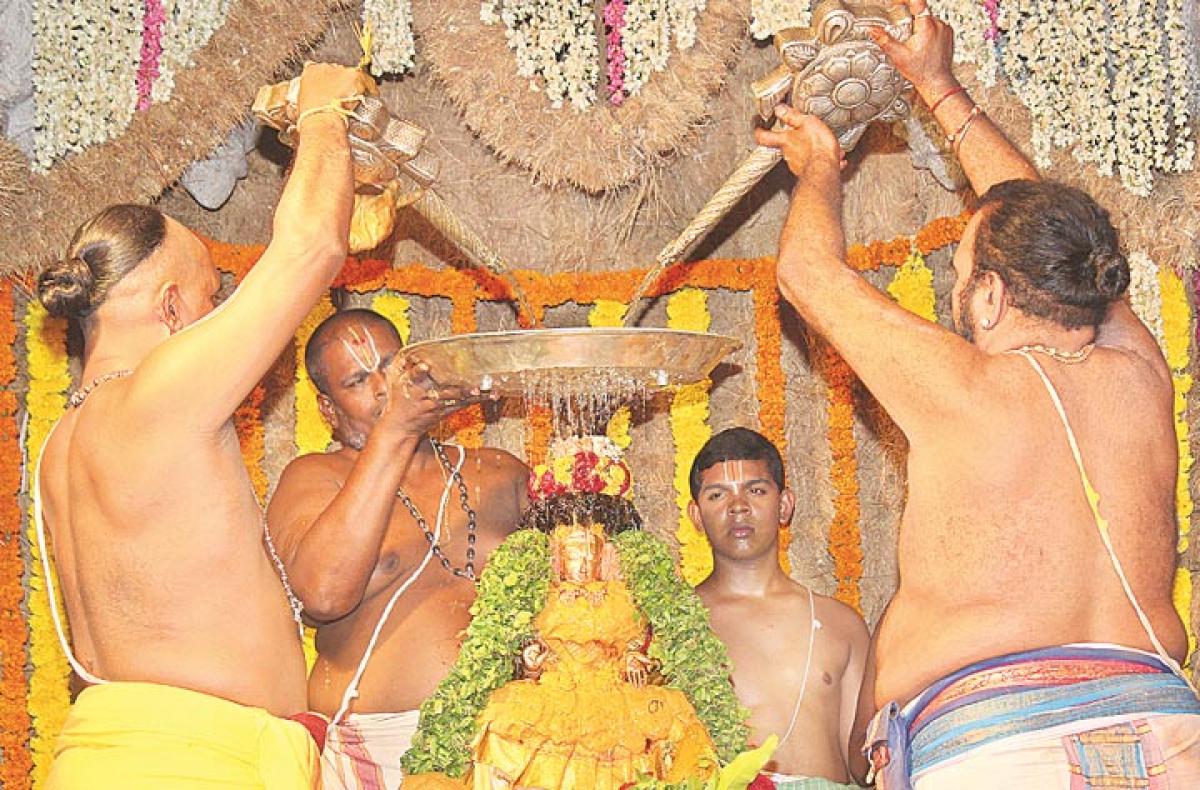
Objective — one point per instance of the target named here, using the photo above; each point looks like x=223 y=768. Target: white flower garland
x=392 y=47
x=971 y=45
x=554 y=40
x=86 y=55
x=768 y=17
x=649 y=27
x=1145 y=294
x=1109 y=78
x=189 y=25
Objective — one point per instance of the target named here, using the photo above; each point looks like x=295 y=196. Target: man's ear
x=787 y=506
x=170 y=308
x=325 y=406
x=693 y=511
x=995 y=297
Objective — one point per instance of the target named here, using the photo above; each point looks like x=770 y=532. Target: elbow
x=329 y=602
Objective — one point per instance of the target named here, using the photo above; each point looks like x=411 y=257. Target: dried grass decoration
x=598 y=148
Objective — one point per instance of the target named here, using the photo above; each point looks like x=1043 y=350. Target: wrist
x=326 y=117
x=937 y=87
x=391 y=440
x=821 y=167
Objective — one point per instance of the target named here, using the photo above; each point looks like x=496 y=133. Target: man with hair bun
x=1032 y=642
x=182 y=622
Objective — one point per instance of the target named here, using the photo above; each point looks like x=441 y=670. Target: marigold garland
x=1177 y=333
x=688 y=309
x=248 y=421
x=312 y=431
x=845 y=536
x=45 y=401
x=394 y=308
x=912 y=287
x=756 y=276
x=15 y=762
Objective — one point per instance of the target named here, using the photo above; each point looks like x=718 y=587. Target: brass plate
x=539 y=364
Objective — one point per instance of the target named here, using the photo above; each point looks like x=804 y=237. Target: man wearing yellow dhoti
x=179 y=614
x=1032 y=640
x=617 y=681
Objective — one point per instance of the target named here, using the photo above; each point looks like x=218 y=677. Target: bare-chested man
x=179 y=619
x=799 y=659
x=355 y=527
x=1023 y=659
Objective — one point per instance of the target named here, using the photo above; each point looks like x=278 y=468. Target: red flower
x=761 y=782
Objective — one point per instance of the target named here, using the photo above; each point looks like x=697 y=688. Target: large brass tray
x=540 y=364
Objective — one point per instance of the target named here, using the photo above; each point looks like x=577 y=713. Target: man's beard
x=964 y=325
x=355 y=440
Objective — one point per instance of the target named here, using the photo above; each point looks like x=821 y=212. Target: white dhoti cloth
x=363 y=751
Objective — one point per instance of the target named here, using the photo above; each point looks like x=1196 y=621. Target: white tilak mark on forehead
x=362 y=350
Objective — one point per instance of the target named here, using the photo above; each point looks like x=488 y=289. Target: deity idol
x=589 y=663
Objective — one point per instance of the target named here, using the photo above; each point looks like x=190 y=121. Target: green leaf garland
x=693 y=659
x=512 y=590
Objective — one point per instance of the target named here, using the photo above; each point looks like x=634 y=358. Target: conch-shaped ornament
x=833 y=70
x=392 y=169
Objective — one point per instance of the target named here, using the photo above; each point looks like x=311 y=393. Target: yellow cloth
x=581 y=725
x=139 y=736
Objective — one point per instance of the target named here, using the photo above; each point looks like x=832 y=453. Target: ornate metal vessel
x=540 y=364
x=832 y=69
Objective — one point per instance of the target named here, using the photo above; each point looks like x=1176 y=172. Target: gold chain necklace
x=1068 y=357
x=80 y=395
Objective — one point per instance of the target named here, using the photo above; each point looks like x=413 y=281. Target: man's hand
x=324 y=83
x=804 y=140
x=925 y=58
x=415 y=403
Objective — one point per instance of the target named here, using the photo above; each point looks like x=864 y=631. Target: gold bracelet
x=955 y=139
x=335 y=106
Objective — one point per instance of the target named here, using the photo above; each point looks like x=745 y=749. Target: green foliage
x=512 y=590
x=693 y=659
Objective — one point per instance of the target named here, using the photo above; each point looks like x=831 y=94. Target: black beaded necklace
x=468 y=570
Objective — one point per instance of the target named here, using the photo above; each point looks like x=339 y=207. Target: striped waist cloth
x=1036 y=692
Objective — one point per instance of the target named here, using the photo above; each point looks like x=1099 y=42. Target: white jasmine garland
x=85 y=61
x=556 y=46
x=646 y=41
x=554 y=40
x=392 y=47
x=1145 y=294
x=768 y=17
x=189 y=25
x=1109 y=79
x=970 y=22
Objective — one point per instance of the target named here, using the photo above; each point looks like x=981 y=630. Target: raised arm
x=329 y=530
x=920 y=372
x=986 y=155
x=199 y=375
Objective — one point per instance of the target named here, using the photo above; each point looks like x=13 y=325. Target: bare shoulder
x=313 y=465
x=307 y=475
x=500 y=463
x=842 y=620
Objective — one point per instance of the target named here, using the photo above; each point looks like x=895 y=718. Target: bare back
x=421 y=638
x=158 y=543
x=999 y=551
